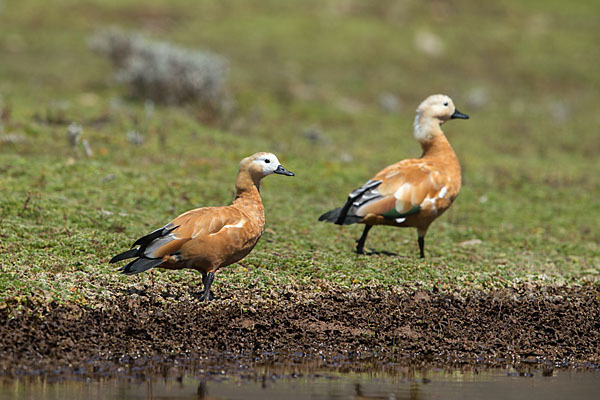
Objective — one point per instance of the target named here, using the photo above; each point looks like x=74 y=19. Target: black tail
x=334 y=216
x=149 y=238
x=125 y=255
x=342 y=216
x=140 y=265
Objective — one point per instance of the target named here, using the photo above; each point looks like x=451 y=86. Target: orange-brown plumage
x=206 y=239
x=413 y=192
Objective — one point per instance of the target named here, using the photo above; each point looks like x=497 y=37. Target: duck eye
x=267 y=161
x=446 y=104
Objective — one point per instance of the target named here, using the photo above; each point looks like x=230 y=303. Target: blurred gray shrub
x=163 y=72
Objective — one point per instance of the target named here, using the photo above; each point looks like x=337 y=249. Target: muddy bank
x=153 y=331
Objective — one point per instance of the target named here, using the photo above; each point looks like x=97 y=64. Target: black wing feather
x=334 y=215
x=355 y=195
x=149 y=238
x=125 y=255
x=142 y=263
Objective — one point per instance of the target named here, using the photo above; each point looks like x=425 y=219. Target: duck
x=411 y=193
x=209 y=238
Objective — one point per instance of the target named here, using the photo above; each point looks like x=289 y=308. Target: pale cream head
x=431 y=114
x=263 y=164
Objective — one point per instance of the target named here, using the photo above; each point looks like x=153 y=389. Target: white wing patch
x=402 y=190
x=238 y=225
x=428 y=203
x=443 y=192
x=431 y=203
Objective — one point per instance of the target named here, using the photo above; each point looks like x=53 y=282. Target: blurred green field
x=308 y=78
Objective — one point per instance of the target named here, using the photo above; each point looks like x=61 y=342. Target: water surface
x=428 y=384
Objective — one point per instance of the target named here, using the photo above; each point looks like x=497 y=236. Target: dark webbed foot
x=360 y=243
x=207 y=280
x=360 y=248
x=422 y=246
x=211 y=296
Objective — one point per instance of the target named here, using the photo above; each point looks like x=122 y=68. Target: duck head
x=262 y=164
x=432 y=113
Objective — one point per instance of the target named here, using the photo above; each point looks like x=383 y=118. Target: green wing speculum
x=393 y=213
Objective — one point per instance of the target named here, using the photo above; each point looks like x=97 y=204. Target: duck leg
x=422 y=246
x=360 y=243
x=207 y=280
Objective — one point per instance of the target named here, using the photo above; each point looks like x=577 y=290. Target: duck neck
x=246 y=186
x=426 y=128
x=437 y=146
x=247 y=194
x=438 y=151
x=428 y=132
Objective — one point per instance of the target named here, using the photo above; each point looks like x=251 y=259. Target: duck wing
x=169 y=239
x=397 y=191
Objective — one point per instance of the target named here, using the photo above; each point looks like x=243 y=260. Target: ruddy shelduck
x=206 y=239
x=413 y=192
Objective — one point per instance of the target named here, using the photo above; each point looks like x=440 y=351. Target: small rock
x=313 y=135
x=421 y=295
x=429 y=43
x=115 y=105
x=87 y=148
x=89 y=99
x=539 y=25
x=350 y=106
x=135 y=138
x=148 y=108
x=346 y=157
x=389 y=102
x=471 y=242
x=12 y=138
x=477 y=98
x=247 y=323
x=74 y=132
x=559 y=111
x=109 y=178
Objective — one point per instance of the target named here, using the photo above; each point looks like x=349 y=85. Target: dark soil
x=143 y=333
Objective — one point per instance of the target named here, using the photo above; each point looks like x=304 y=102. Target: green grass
x=529 y=153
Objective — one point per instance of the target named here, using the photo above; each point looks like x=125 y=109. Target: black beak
x=458 y=114
x=282 y=171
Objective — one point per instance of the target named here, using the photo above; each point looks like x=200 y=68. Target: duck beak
x=282 y=171
x=458 y=114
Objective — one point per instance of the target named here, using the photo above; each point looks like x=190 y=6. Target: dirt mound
x=150 y=332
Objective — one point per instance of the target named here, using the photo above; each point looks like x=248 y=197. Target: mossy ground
x=526 y=73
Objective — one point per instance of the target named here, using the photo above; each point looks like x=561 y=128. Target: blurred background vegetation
x=88 y=162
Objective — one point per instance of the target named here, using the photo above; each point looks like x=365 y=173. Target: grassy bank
x=308 y=79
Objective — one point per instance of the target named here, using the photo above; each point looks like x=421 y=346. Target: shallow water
x=430 y=384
